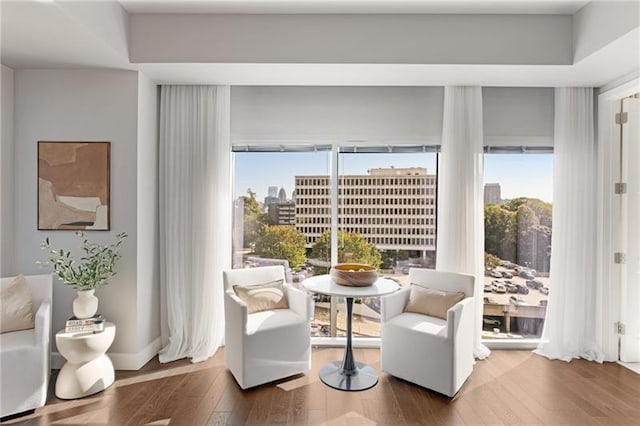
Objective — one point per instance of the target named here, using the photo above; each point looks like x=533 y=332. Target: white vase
x=85 y=305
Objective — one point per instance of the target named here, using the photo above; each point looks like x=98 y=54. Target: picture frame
x=74 y=185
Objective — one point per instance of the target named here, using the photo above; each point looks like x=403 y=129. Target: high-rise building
x=271 y=198
x=282 y=196
x=393 y=208
x=492 y=193
x=281 y=214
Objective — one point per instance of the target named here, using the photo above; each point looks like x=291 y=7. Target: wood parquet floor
x=510 y=387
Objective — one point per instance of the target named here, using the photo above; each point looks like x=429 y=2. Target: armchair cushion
x=262 y=297
x=434 y=303
x=17 y=309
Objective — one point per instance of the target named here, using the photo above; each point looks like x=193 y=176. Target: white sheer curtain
x=195 y=218
x=571 y=324
x=460 y=245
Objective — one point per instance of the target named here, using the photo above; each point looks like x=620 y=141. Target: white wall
x=80 y=105
x=512 y=116
x=600 y=22
x=351 y=38
x=148 y=298
x=6 y=173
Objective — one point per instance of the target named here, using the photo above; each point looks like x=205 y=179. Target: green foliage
x=93 y=269
x=490 y=261
x=541 y=209
x=500 y=231
x=282 y=242
x=508 y=225
x=254 y=219
x=352 y=247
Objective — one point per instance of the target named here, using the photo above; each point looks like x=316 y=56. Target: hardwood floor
x=511 y=387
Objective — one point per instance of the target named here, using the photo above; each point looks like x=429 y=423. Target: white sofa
x=431 y=352
x=25 y=354
x=268 y=345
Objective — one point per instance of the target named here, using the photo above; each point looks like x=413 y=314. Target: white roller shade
x=518 y=119
x=315 y=115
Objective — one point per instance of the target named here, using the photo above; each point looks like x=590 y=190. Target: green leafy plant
x=90 y=271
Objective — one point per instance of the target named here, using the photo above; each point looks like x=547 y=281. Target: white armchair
x=431 y=352
x=268 y=345
x=24 y=354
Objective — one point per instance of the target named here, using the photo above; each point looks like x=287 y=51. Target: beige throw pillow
x=434 y=303
x=262 y=297
x=17 y=309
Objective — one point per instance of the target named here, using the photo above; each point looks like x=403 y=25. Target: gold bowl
x=353 y=274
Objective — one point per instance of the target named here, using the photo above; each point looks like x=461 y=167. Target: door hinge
x=621 y=117
x=619 y=328
x=619 y=258
x=620 y=188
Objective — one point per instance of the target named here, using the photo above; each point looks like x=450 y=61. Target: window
x=517 y=219
x=283 y=215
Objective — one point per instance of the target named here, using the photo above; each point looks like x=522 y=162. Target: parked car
x=517 y=300
x=526 y=275
x=507 y=264
x=522 y=289
x=506 y=274
x=511 y=288
x=487 y=288
x=534 y=284
x=543 y=302
x=498 y=287
x=489 y=300
x=495 y=274
x=544 y=290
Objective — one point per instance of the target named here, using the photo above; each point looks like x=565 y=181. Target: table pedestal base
x=83 y=379
x=361 y=378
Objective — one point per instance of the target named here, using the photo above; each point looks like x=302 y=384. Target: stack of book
x=95 y=324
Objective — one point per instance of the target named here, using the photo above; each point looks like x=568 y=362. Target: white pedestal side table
x=88 y=369
x=349 y=375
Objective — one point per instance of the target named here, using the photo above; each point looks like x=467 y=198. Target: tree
x=490 y=261
x=253 y=220
x=352 y=247
x=282 y=242
x=500 y=232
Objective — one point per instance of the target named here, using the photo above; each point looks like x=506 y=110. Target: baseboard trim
x=121 y=361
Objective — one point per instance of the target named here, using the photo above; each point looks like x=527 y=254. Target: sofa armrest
x=393 y=304
x=43 y=324
x=460 y=320
x=235 y=312
x=299 y=301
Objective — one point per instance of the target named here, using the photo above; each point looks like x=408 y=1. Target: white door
x=630 y=236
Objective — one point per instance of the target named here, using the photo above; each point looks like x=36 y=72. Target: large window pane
x=265 y=209
x=517 y=215
x=387 y=218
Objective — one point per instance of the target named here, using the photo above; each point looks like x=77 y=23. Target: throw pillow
x=17 y=309
x=434 y=303
x=262 y=297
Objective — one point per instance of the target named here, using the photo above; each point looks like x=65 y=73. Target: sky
x=519 y=175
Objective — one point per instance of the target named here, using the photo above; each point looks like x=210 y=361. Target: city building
x=281 y=213
x=492 y=193
x=393 y=208
x=272 y=196
x=282 y=195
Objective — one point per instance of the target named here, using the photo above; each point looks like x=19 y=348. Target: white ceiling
x=71 y=34
x=556 y=7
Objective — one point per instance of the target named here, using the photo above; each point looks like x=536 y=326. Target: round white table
x=88 y=369
x=348 y=374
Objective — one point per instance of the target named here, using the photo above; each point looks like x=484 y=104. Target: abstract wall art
x=73 y=185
